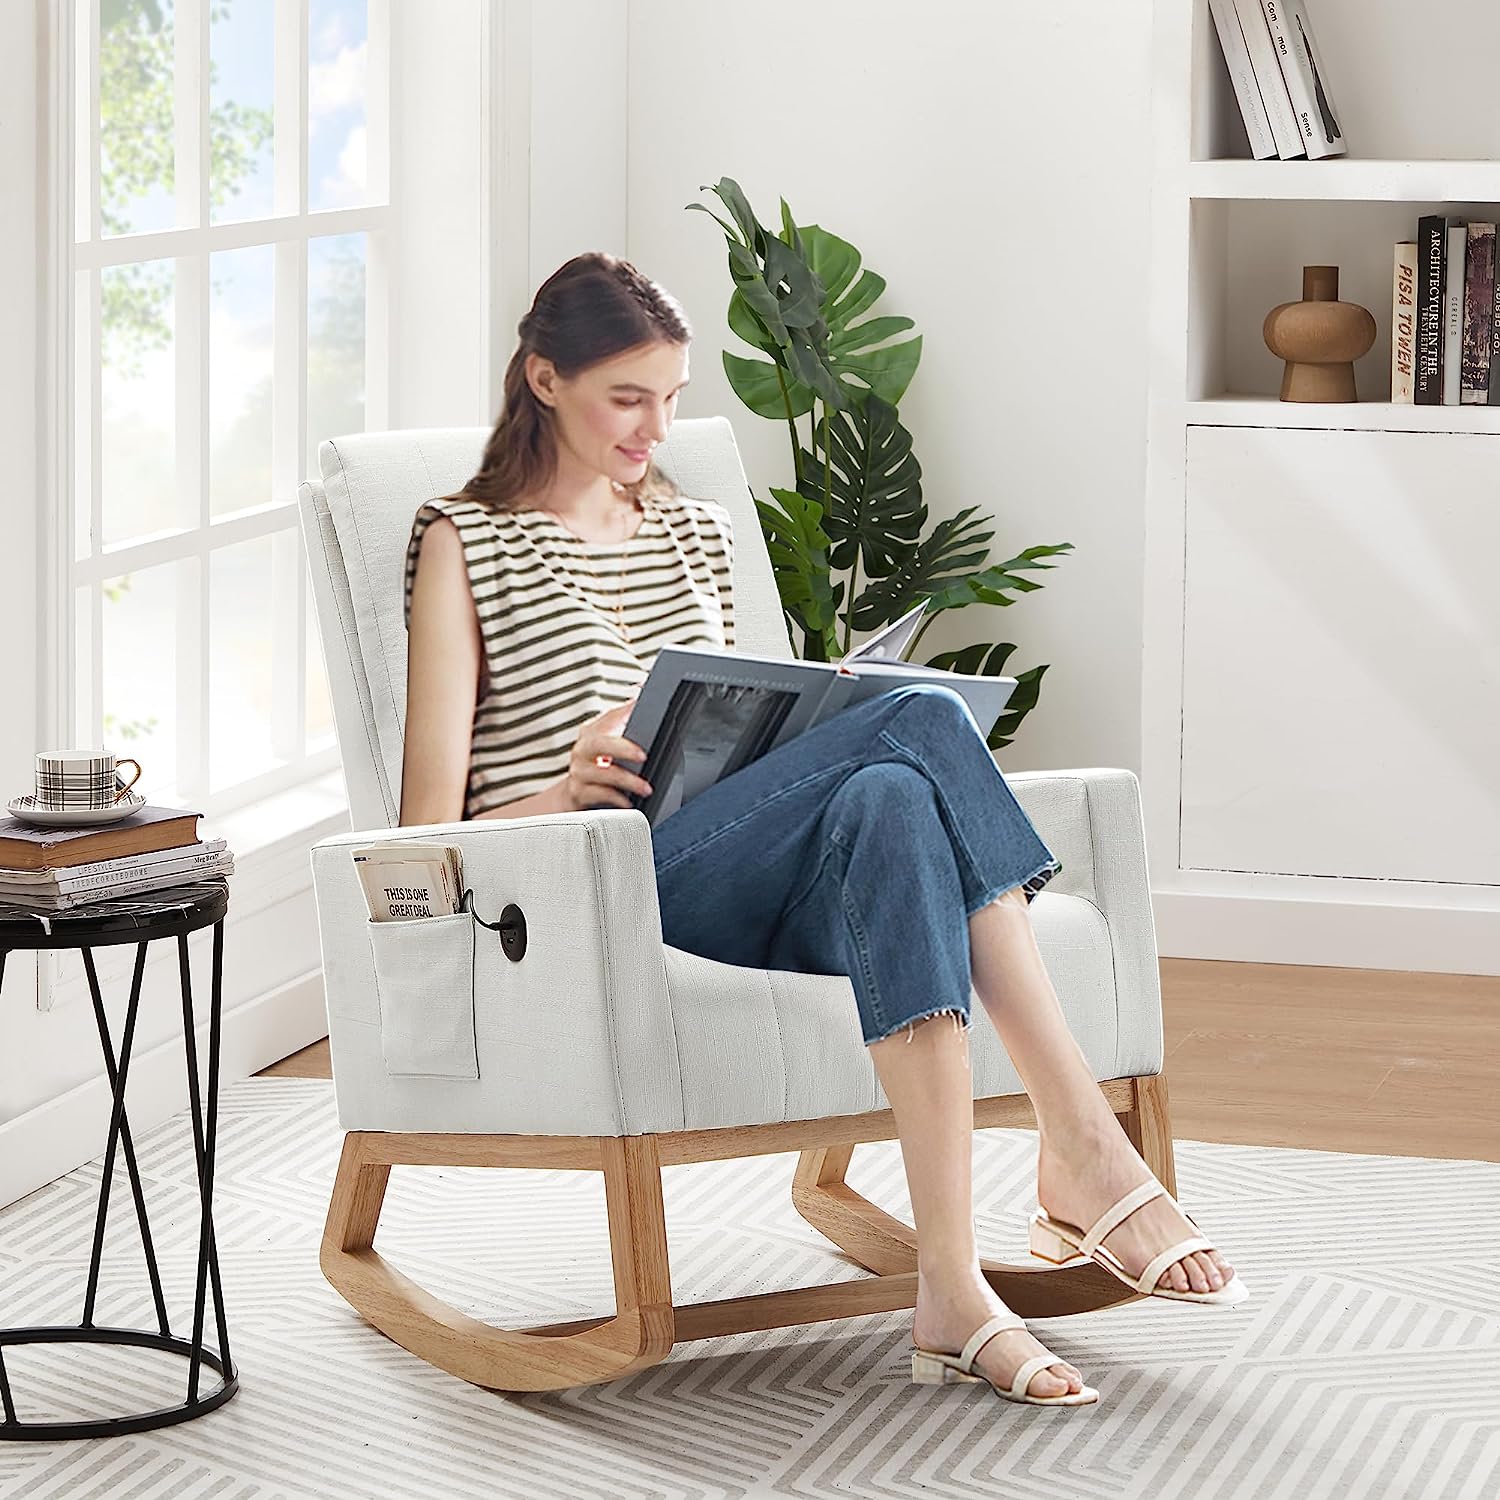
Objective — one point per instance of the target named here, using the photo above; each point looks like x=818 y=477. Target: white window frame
x=72 y=348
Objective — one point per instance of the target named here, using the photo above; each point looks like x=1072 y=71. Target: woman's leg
x=1085 y=1162
x=886 y=902
x=925 y=1074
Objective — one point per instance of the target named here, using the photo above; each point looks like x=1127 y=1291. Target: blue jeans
x=861 y=847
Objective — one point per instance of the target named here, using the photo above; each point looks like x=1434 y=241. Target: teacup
x=82 y=778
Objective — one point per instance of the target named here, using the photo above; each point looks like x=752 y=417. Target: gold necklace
x=619 y=608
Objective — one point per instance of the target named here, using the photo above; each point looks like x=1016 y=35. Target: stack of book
x=1278 y=77
x=1445 y=321
x=116 y=867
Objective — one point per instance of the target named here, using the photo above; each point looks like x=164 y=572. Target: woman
x=559 y=570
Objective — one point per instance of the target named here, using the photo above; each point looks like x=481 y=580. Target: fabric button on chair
x=604 y=1049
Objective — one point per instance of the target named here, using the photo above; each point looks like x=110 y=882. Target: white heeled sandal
x=932 y=1367
x=1055 y=1241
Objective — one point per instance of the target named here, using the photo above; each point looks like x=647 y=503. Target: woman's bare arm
x=444 y=657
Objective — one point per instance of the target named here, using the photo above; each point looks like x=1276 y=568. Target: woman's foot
x=1080 y=1173
x=947 y=1314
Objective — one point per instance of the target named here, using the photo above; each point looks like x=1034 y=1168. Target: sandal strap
x=1024 y=1375
x=1117 y=1213
x=983 y=1334
x=1159 y=1263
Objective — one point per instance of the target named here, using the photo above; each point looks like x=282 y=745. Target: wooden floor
x=1371 y=1061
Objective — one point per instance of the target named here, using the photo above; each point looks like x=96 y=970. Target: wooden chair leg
x=639 y=1334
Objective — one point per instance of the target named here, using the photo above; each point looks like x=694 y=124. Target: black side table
x=173 y=912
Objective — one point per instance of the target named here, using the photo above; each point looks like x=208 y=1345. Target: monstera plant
x=856 y=503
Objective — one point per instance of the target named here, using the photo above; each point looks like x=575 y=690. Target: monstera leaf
x=851 y=357
x=780 y=292
x=989 y=661
x=862 y=460
x=798 y=548
x=930 y=567
x=988 y=586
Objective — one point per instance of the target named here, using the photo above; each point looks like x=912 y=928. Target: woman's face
x=611 y=416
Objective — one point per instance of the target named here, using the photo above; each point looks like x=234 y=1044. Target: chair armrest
x=585 y=1006
x=1091 y=820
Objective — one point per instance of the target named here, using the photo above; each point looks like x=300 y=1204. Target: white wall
x=990 y=159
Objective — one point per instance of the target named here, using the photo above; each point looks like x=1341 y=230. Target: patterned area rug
x=1365 y=1367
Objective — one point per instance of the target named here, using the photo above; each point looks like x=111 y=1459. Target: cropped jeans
x=862 y=847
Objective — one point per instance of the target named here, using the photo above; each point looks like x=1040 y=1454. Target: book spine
x=1430 y=258
x=1494 y=390
x=1479 y=302
x=108 y=879
x=1242 y=77
x=122 y=867
x=1306 y=81
x=1453 y=311
x=1404 y=324
x=1272 y=85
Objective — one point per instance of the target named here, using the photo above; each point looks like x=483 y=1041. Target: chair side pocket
x=424 y=980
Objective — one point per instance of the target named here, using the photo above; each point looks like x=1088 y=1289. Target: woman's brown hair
x=590 y=309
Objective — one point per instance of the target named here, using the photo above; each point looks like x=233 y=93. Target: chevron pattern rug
x=1366 y=1366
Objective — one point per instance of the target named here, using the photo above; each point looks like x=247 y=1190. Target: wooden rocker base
x=646 y=1323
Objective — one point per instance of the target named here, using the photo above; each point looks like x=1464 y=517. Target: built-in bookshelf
x=1321 y=679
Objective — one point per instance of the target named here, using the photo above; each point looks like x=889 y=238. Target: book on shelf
x=1479 y=303
x=1268 y=77
x=1306 y=78
x=146 y=831
x=703 y=714
x=1453 y=309
x=1242 y=78
x=1404 y=323
x=1431 y=241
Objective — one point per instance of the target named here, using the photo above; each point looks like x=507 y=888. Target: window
x=228 y=305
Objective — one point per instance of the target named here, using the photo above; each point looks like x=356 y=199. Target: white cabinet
x=1341 y=665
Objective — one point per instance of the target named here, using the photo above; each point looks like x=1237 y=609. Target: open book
x=702 y=714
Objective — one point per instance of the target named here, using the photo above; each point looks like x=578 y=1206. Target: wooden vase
x=1319 y=338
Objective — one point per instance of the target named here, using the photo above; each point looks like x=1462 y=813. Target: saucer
x=28 y=811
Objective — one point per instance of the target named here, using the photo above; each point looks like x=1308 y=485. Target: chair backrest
x=356 y=524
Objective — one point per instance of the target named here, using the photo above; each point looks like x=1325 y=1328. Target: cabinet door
x=1341 y=663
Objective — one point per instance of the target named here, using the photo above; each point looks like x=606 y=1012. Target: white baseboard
x=44 y=1143
x=1322 y=933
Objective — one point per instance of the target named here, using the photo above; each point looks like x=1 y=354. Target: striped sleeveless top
x=553 y=659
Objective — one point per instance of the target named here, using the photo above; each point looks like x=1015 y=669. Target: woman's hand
x=593 y=779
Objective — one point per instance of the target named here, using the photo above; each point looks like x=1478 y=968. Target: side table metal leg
x=127 y=1144
x=204 y=1137
x=119 y=1129
x=10 y=1406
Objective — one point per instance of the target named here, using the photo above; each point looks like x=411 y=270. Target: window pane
x=239 y=379
x=336 y=50
x=138 y=392
x=335 y=340
x=140 y=672
x=242 y=96
x=242 y=601
x=136 y=116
